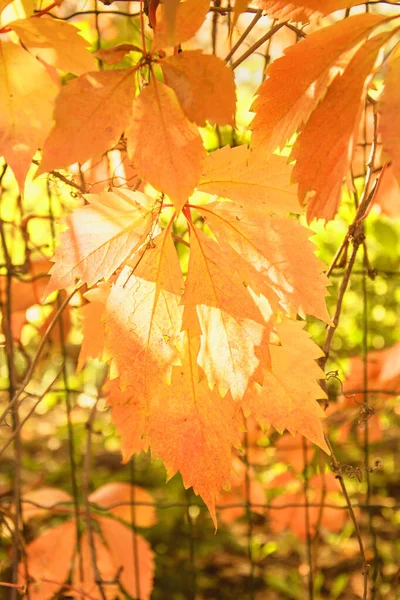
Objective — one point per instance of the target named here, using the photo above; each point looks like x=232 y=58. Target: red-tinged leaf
x=324 y=147
x=105 y=565
x=165 y=147
x=55 y=42
x=213 y=281
x=49 y=556
x=130 y=418
x=114 y=54
x=193 y=429
x=100 y=237
x=320 y=491
x=228 y=350
x=303 y=10
x=102 y=105
x=93 y=315
x=204 y=86
x=387 y=195
x=278 y=250
x=131 y=498
x=388 y=108
x=24 y=124
x=299 y=80
x=143 y=319
x=127 y=550
x=245 y=176
x=281 y=401
x=189 y=17
x=38 y=503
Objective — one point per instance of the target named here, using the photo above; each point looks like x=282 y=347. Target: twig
x=244 y=35
x=257 y=44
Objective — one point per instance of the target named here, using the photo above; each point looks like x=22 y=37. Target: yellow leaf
x=325 y=144
x=245 y=176
x=55 y=42
x=100 y=237
x=204 y=86
x=296 y=82
x=165 y=147
x=27 y=95
x=91 y=113
x=288 y=397
x=189 y=17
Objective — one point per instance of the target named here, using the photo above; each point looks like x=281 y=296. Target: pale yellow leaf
x=100 y=237
x=55 y=42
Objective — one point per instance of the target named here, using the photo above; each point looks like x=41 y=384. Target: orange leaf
x=100 y=237
x=388 y=108
x=289 y=449
x=121 y=542
x=282 y=401
x=303 y=10
x=46 y=497
x=55 y=42
x=296 y=82
x=165 y=147
x=49 y=556
x=324 y=146
x=193 y=429
x=244 y=176
x=238 y=9
x=105 y=564
x=275 y=248
x=204 y=86
x=213 y=281
x=115 y=492
x=115 y=54
x=93 y=315
x=189 y=17
x=245 y=488
x=24 y=124
x=102 y=104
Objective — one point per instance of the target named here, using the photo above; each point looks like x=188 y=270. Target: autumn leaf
x=165 y=147
x=213 y=281
x=115 y=54
x=49 y=556
x=102 y=105
x=143 y=318
x=324 y=146
x=276 y=249
x=55 y=42
x=112 y=496
x=193 y=429
x=189 y=17
x=287 y=399
x=388 y=110
x=23 y=125
x=204 y=86
x=100 y=237
x=245 y=176
x=296 y=82
x=303 y=10
x=92 y=315
x=238 y=9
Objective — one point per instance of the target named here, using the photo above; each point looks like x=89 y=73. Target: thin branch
x=257 y=44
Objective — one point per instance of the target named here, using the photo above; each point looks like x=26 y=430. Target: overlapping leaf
x=100 y=237
x=303 y=10
x=389 y=110
x=189 y=17
x=299 y=80
x=102 y=105
x=24 y=124
x=164 y=145
x=55 y=42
